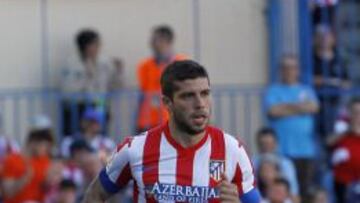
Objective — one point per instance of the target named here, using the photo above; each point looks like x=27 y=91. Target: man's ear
x=166 y=101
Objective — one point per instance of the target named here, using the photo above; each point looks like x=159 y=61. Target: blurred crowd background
x=78 y=76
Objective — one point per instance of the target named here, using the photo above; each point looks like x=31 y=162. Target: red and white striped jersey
x=164 y=171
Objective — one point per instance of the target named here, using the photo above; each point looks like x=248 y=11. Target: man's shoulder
x=13 y=159
x=305 y=87
x=146 y=63
x=181 y=57
x=275 y=89
x=137 y=142
x=230 y=140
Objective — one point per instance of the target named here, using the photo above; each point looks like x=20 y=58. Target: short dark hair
x=67 y=184
x=80 y=145
x=354 y=100
x=84 y=38
x=265 y=131
x=40 y=135
x=180 y=71
x=165 y=32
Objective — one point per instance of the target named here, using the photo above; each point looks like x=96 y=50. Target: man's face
x=92 y=50
x=91 y=127
x=40 y=148
x=268 y=172
x=91 y=165
x=290 y=70
x=67 y=196
x=355 y=114
x=80 y=155
x=278 y=193
x=321 y=197
x=325 y=40
x=160 y=45
x=190 y=106
x=267 y=143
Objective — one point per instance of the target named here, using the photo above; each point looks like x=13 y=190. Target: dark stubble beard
x=183 y=125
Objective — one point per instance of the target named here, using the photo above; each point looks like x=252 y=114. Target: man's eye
x=205 y=93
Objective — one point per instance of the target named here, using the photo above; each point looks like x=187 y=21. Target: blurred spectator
x=24 y=174
x=346 y=154
x=324 y=11
x=290 y=107
x=55 y=176
x=320 y=196
x=267 y=145
x=79 y=150
x=278 y=192
x=66 y=193
x=83 y=165
x=330 y=78
x=88 y=75
x=91 y=166
x=91 y=129
x=268 y=171
x=151 y=111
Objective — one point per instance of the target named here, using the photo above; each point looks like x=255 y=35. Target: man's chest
x=181 y=177
x=293 y=96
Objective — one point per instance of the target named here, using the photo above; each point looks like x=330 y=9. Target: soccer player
x=185 y=159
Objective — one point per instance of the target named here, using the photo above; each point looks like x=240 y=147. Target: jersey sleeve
x=117 y=172
x=244 y=177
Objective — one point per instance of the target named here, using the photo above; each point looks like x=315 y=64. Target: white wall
x=232 y=35
x=20 y=55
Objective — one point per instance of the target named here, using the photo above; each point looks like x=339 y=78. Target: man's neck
x=184 y=139
x=326 y=53
x=89 y=135
x=164 y=58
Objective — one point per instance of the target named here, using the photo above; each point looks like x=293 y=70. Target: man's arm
x=308 y=107
x=12 y=185
x=113 y=177
x=244 y=178
x=96 y=192
x=229 y=193
x=282 y=110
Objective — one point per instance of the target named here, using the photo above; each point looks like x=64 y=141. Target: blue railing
x=237 y=109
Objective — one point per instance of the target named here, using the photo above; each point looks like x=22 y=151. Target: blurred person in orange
x=152 y=111
x=24 y=174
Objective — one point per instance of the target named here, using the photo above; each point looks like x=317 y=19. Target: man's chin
x=198 y=129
